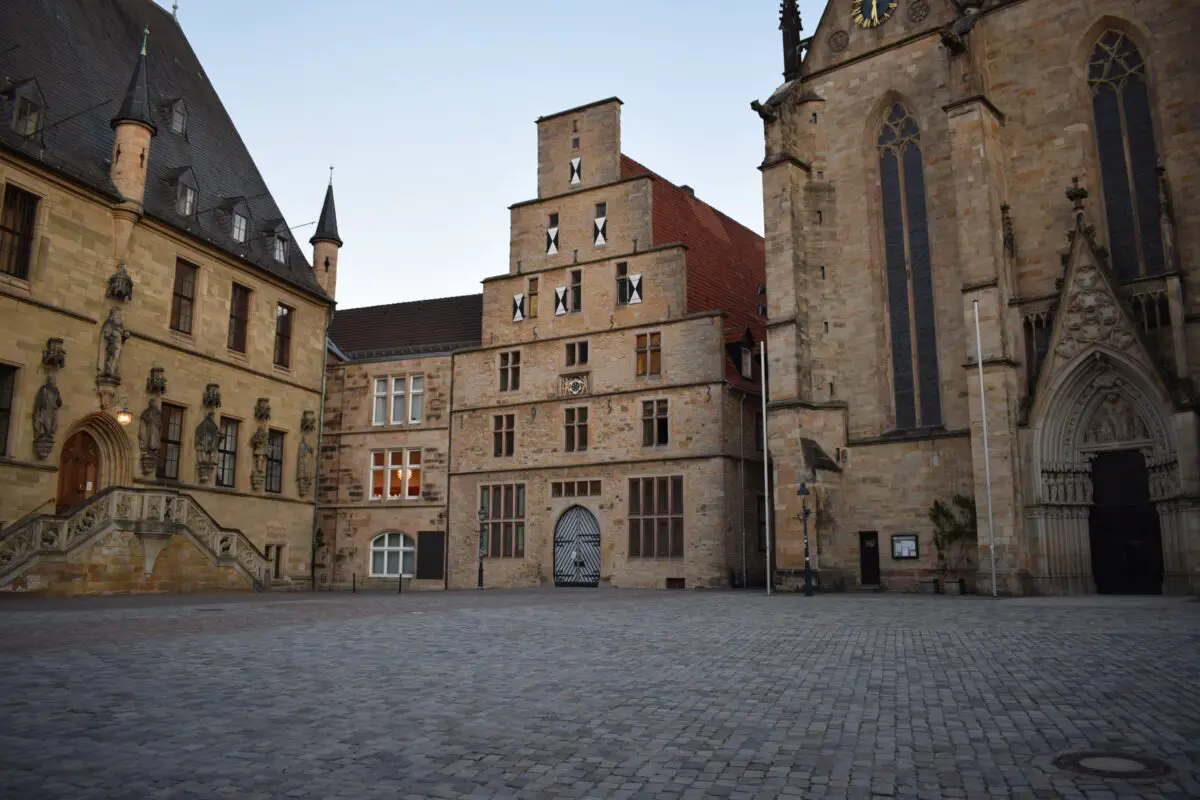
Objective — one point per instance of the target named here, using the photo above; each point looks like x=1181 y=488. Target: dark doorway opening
x=868 y=557
x=78 y=469
x=1123 y=526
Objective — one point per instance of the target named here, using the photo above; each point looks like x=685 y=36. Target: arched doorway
x=78 y=471
x=577 y=548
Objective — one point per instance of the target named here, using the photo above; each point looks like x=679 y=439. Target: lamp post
x=803 y=517
x=483 y=516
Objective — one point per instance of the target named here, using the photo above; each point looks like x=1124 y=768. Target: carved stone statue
x=120 y=285
x=45 y=416
x=258 y=449
x=304 y=467
x=150 y=436
x=208 y=436
x=112 y=338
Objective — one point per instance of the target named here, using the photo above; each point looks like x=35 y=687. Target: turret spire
x=135 y=106
x=327 y=223
x=790 y=24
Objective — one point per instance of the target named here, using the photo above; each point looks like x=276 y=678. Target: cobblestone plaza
x=590 y=694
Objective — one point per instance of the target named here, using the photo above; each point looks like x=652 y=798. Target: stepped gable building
x=386 y=454
x=1030 y=160
x=161 y=331
x=604 y=429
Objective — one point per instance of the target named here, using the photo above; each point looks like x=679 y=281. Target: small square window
x=577 y=354
x=601 y=209
x=239 y=227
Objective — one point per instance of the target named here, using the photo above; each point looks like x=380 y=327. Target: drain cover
x=1105 y=764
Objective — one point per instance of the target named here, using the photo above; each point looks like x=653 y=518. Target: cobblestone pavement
x=593 y=694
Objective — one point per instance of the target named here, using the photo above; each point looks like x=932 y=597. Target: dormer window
x=185 y=200
x=281 y=248
x=27 y=119
x=239 y=227
x=747 y=362
x=179 y=118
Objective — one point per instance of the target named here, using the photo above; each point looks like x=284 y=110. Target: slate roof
x=413 y=328
x=327 y=224
x=82 y=55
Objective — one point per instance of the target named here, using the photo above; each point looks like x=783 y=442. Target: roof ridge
x=679 y=188
x=410 y=302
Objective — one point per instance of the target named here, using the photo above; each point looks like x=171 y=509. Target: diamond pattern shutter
x=560 y=301
x=551 y=241
x=576 y=170
x=635 y=288
x=518 y=307
x=600 y=231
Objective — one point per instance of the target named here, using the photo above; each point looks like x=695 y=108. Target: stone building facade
x=616 y=353
x=161 y=332
x=1030 y=161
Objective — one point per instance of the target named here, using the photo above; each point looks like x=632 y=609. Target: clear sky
x=426 y=110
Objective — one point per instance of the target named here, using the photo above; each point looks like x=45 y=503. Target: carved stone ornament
x=262 y=410
x=1091 y=315
x=308 y=421
x=1006 y=224
x=1115 y=421
x=918 y=10
x=120 y=285
x=258 y=451
x=839 y=41
x=156 y=381
x=54 y=356
x=574 y=385
x=304 y=465
x=150 y=435
x=212 y=396
x=954 y=35
x=45 y=415
x=208 y=436
x=108 y=373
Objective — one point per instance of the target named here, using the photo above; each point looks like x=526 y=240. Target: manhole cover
x=1113 y=765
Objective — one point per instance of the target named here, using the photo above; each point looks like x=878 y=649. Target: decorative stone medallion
x=918 y=10
x=839 y=41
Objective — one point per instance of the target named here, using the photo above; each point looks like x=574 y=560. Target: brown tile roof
x=421 y=326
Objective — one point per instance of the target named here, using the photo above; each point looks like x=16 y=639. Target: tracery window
x=1128 y=155
x=909 y=276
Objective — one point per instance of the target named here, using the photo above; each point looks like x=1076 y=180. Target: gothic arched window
x=1128 y=156
x=909 y=277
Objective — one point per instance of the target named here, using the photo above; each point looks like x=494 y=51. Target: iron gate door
x=577 y=549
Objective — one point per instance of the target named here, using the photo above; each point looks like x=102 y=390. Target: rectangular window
x=281 y=249
x=503 y=435
x=239 y=227
x=8 y=380
x=577 y=354
x=504 y=519
x=747 y=363
x=178 y=119
x=510 y=371
x=16 y=231
x=758 y=431
x=649 y=354
x=762 y=524
x=185 y=200
x=576 y=425
x=656 y=517
x=283 y=335
x=623 y=284
x=416 y=398
x=239 y=317
x=227 y=452
x=183 y=296
x=575 y=489
x=576 y=289
x=171 y=438
x=396 y=474
x=655 y=427
x=28 y=117
x=275 y=461
x=399 y=400
x=379 y=414
x=531 y=292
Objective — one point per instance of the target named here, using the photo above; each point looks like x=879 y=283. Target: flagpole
x=762 y=376
x=987 y=461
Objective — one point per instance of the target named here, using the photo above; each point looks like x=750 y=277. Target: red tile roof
x=726 y=261
x=420 y=326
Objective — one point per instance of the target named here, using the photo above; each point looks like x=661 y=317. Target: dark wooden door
x=1123 y=526
x=868 y=557
x=431 y=555
x=77 y=471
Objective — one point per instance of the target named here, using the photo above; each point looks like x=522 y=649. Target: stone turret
x=133 y=127
x=326 y=244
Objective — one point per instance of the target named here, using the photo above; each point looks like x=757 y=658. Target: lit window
x=649 y=353
x=240 y=225
x=390 y=552
x=185 y=201
x=396 y=474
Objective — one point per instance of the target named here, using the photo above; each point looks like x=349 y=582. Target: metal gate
x=577 y=549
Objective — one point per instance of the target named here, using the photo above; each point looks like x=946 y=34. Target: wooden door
x=868 y=557
x=78 y=469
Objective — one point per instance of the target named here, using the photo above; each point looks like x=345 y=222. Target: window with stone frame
x=17 y=220
x=284 y=320
x=8 y=382
x=577 y=354
x=170 y=442
x=915 y=382
x=648 y=347
x=623 y=284
x=504 y=517
x=582 y=488
x=655 y=423
x=656 y=517
x=239 y=227
x=576 y=293
x=531 y=295
x=396 y=474
x=503 y=435
x=393 y=555
x=1128 y=150
x=227 y=450
x=183 y=296
x=239 y=318
x=510 y=371
x=575 y=429
x=275 y=461
x=399 y=400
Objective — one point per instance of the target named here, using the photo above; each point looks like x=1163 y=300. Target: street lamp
x=483 y=516
x=803 y=517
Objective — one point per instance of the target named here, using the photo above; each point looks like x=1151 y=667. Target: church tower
x=133 y=128
x=326 y=244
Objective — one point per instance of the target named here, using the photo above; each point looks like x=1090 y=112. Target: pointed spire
x=790 y=24
x=327 y=223
x=135 y=107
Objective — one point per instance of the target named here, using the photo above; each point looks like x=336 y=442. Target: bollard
x=400 y=584
x=353 y=583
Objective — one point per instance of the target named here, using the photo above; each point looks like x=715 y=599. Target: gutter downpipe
x=742 y=476
x=312 y=561
x=449 y=476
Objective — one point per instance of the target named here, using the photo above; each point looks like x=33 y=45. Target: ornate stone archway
x=1102 y=400
x=115 y=450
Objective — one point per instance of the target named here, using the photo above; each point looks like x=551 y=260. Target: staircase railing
x=166 y=510
x=4 y=528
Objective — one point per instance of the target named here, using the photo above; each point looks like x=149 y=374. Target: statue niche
x=108 y=373
x=208 y=434
x=1114 y=421
x=150 y=436
x=304 y=454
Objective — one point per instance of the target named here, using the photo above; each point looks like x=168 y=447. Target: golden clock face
x=872 y=13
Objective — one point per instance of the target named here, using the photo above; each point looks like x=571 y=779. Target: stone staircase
x=154 y=516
